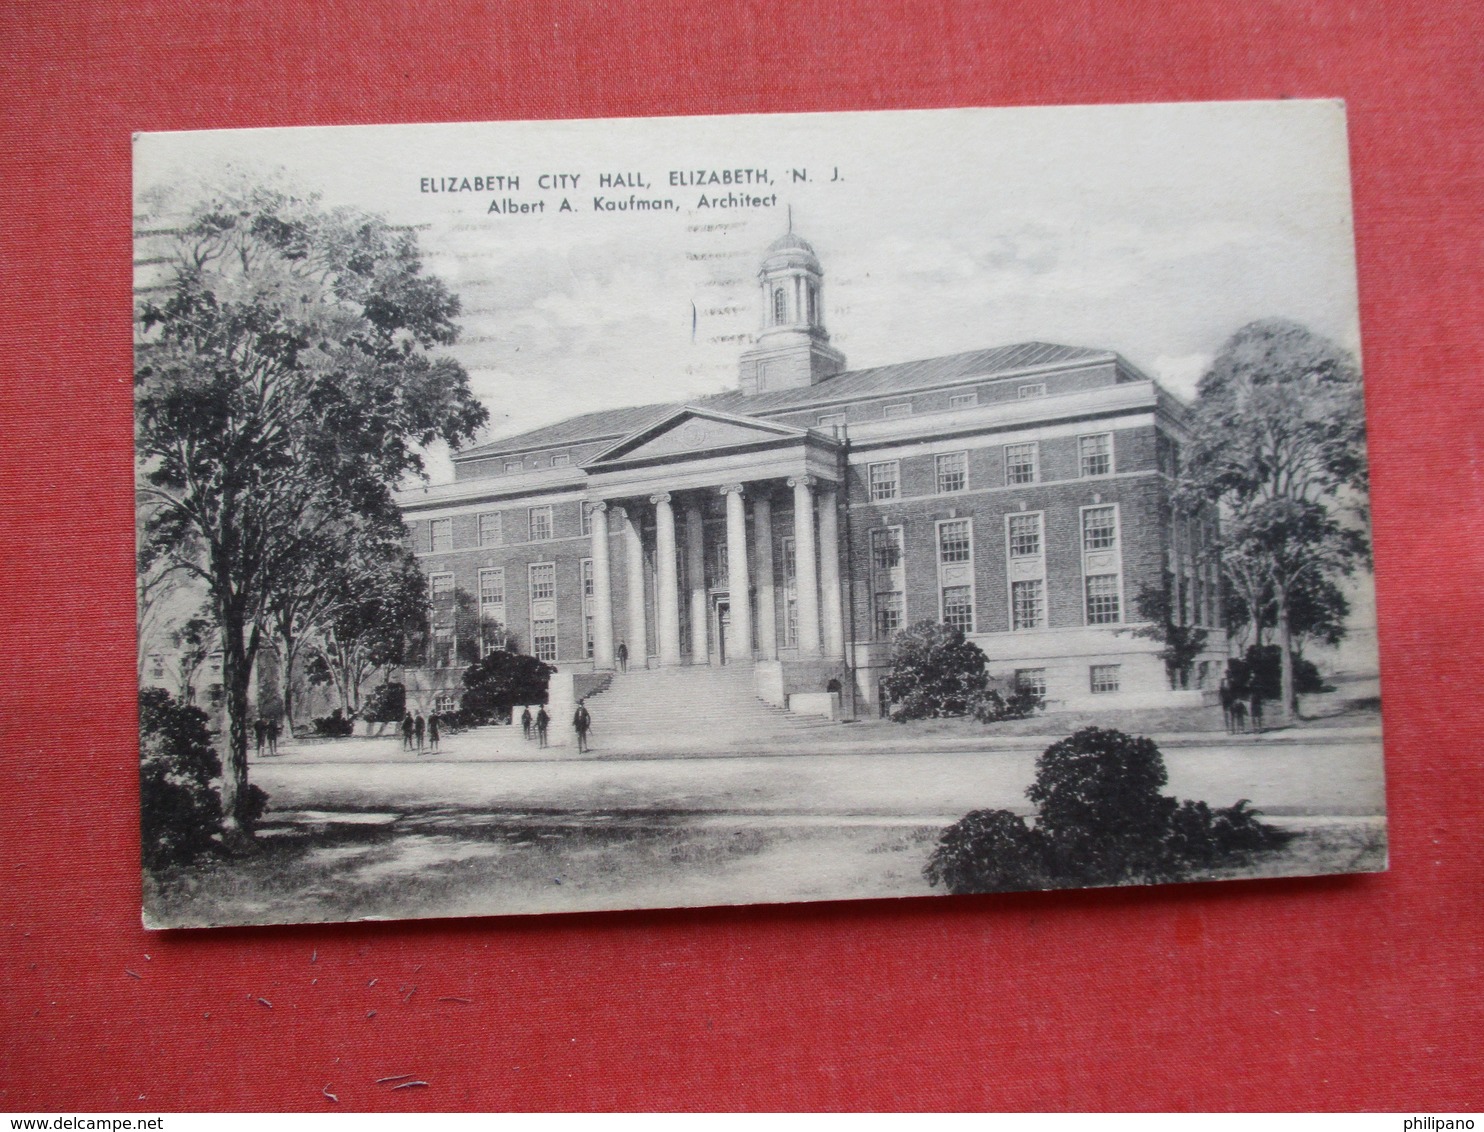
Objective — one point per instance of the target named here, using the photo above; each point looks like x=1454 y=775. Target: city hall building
x=794 y=524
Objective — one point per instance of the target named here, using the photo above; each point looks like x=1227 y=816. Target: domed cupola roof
x=791 y=250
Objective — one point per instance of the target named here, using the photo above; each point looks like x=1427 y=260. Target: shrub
x=1261 y=671
x=333 y=726
x=499 y=682
x=1101 y=820
x=180 y=808
x=987 y=851
x=991 y=707
x=935 y=671
x=387 y=703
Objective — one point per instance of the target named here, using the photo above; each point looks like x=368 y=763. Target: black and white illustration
x=591 y=515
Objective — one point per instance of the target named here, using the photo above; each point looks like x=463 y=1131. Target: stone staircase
x=672 y=708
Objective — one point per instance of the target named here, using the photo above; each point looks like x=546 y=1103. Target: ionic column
x=767 y=615
x=806 y=572
x=667 y=591
x=695 y=568
x=602 y=589
x=739 y=583
x=831 y=613
x=633 y=545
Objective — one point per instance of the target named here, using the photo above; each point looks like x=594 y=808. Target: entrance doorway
x=723 y=628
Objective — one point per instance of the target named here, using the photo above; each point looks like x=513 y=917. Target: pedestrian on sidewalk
x=273 y=736
x=419 y=727
x=433 y=731
x=582 y=721
x=525 y=722
x=543 y=721
x=623 y=657
x=407 y=732
x=260 y=732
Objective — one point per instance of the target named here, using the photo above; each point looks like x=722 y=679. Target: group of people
x=415 y=729
x=1242 y=710
x=540 y=723
x=266 y=732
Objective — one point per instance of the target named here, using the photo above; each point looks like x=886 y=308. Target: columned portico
x=806 y=569
x=738 y=580
x=667 y=589
x=695 y=575
x=602 y=589
x=831 y=613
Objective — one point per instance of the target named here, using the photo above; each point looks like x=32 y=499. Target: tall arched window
x=813 y=305
x=780 y=305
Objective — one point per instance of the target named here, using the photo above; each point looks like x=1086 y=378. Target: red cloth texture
x=1337 y=993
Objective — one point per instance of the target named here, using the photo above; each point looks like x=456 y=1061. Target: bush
x=333 y=726
x=1261 y=671
x=499 y=682
x=387 y=703
x=180 y=808
x=935 y=672
x=1101 y=820
x=991 y=707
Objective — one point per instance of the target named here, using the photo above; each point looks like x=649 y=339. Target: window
x=963 y=400
x=888 y=614
x=1099 y=528
x=587 y=607
x=1031 y=680
x=491 y=529
x=887 y=581
x=492 y=587
x=885 y=481
x=445 y=702
x=1028 y=604
x=491 y=606
x=954 y=543
x=561 y=460
x=958 y=607
x=789 y=571
x=1027 y=391
x=543 y=581
x=1025 y=536
x=953 y=471
x=512 y=466
x=540 y=523
x=899 y=409
x=544 y=640
x=813 y=305
x=827 y=420
x=1097 y=454
x=1104 y=678
x=1102 y=599
x=441 y=591
x=440 y=535
x=780 y=305
x=1020 y=463
x=584 y=518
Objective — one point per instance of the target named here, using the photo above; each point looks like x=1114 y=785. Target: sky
x=1155 y=231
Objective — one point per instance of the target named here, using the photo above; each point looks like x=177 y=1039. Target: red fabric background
x=1338 y=993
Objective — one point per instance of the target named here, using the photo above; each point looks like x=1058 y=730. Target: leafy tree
x=1278 y=441
x=1180 y=644
x=287 y=377
x=193 y=642
x=499 y=681
x=387 y=703
x=1317 y=609
x=935 y=671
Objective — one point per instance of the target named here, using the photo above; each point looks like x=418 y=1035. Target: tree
x=935 y=671
x=1278 y=441
x=1317 y=609
x=501 y=680
x=193 y=642
x=287 y=377
x=1181 y=644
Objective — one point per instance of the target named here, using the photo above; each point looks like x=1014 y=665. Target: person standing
x=407 y=732
x=582 y=721
x=433 y=731
x=543 y=721
x=273 y=736
x=419 y=726
x=525 y=722
x=623 y=657
x=260 y=732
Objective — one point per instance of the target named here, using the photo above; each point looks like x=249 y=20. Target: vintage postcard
x=556 y=516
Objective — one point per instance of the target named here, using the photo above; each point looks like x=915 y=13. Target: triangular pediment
x=693 y=431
